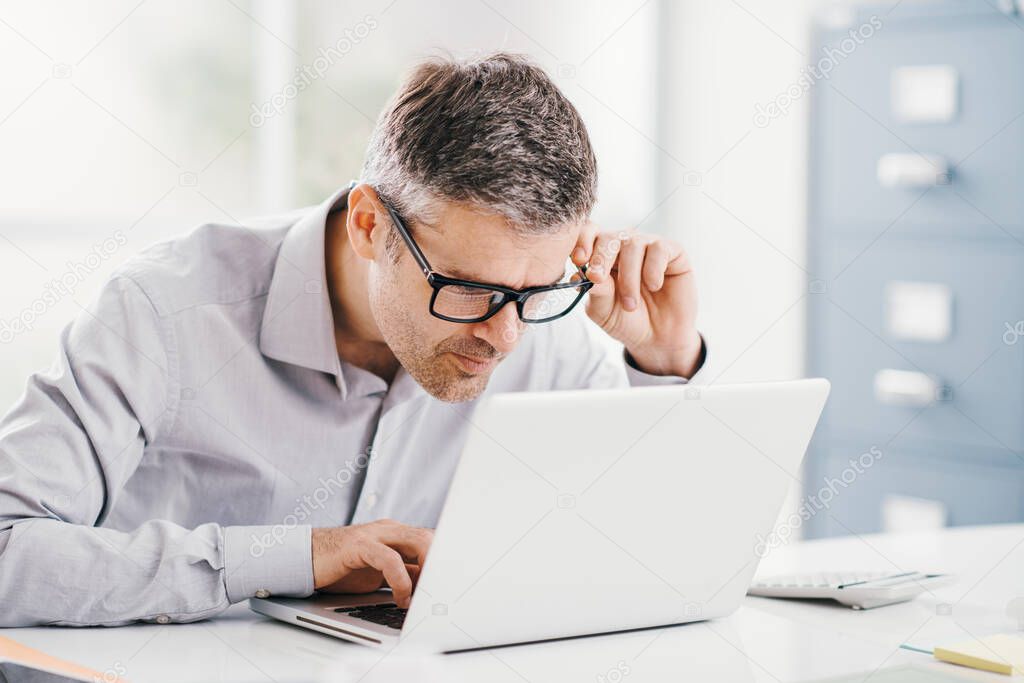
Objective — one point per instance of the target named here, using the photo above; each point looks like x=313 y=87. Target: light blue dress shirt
x=198 y=422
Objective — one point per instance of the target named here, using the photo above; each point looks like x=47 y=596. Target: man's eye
x=468 y=291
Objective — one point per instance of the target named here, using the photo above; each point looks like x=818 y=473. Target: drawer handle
x=912 y=170
x=908 y=388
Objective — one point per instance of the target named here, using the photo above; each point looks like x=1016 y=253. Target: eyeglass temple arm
x=421 y=260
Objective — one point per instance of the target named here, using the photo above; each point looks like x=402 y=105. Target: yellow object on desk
x=1002 y=653
x=20 y=662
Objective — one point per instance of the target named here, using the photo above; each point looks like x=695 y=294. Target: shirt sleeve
x=68 y=447
x=581 y=356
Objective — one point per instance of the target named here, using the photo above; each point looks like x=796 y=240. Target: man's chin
x=461 y=388
x=455 y=384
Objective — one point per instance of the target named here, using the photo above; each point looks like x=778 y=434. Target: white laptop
x=582 y=512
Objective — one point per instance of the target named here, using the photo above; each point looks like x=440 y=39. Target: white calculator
x=859 y=590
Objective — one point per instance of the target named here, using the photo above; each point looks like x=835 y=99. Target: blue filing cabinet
x=916 y=267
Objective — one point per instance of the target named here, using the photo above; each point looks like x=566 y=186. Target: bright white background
x=138 y=117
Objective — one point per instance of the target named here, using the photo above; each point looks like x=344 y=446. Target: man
x=243 y=411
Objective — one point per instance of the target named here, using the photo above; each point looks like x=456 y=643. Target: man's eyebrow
x=462 y=275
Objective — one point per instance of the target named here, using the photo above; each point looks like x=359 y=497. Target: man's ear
x=364 y=225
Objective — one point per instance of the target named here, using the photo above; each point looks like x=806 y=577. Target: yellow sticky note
x=11 y=651
x=1002 y=653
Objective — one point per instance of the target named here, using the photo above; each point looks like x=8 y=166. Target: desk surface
x=765 y=640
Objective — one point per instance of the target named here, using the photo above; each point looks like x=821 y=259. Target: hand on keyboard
x=363 y=558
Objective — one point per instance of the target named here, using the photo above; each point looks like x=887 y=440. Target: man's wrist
x=682 y=362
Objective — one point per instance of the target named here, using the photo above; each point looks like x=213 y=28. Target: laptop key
x=386 y=614
x=355 y=608
x=379 y=619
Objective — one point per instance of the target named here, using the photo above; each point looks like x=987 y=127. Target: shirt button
x=163 y=619
x=263 y=593
x=371 y=501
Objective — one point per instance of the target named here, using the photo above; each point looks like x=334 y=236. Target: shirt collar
x=298 y=326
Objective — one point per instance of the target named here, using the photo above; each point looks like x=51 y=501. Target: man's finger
x=414 y=573
x=627 y=281
x=584 y=243
x=413 y=543
x=390 y=564
x=655 y=263
x=679 y=261
x=603 y=257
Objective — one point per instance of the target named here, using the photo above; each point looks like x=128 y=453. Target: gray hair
x=494 y=133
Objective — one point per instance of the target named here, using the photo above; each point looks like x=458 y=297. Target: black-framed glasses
x=464 y=301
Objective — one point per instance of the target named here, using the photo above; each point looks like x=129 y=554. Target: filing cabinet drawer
x=855 y=126
x=970 y=493
x=980 y=363
x=917 y=283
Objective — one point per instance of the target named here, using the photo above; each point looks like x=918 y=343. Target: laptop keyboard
x=385 y=614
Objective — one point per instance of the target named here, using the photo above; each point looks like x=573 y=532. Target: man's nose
x=502 y=330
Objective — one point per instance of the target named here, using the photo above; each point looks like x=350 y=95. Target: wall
x=737 y=189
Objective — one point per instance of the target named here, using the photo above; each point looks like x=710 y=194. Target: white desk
x=766 y=640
